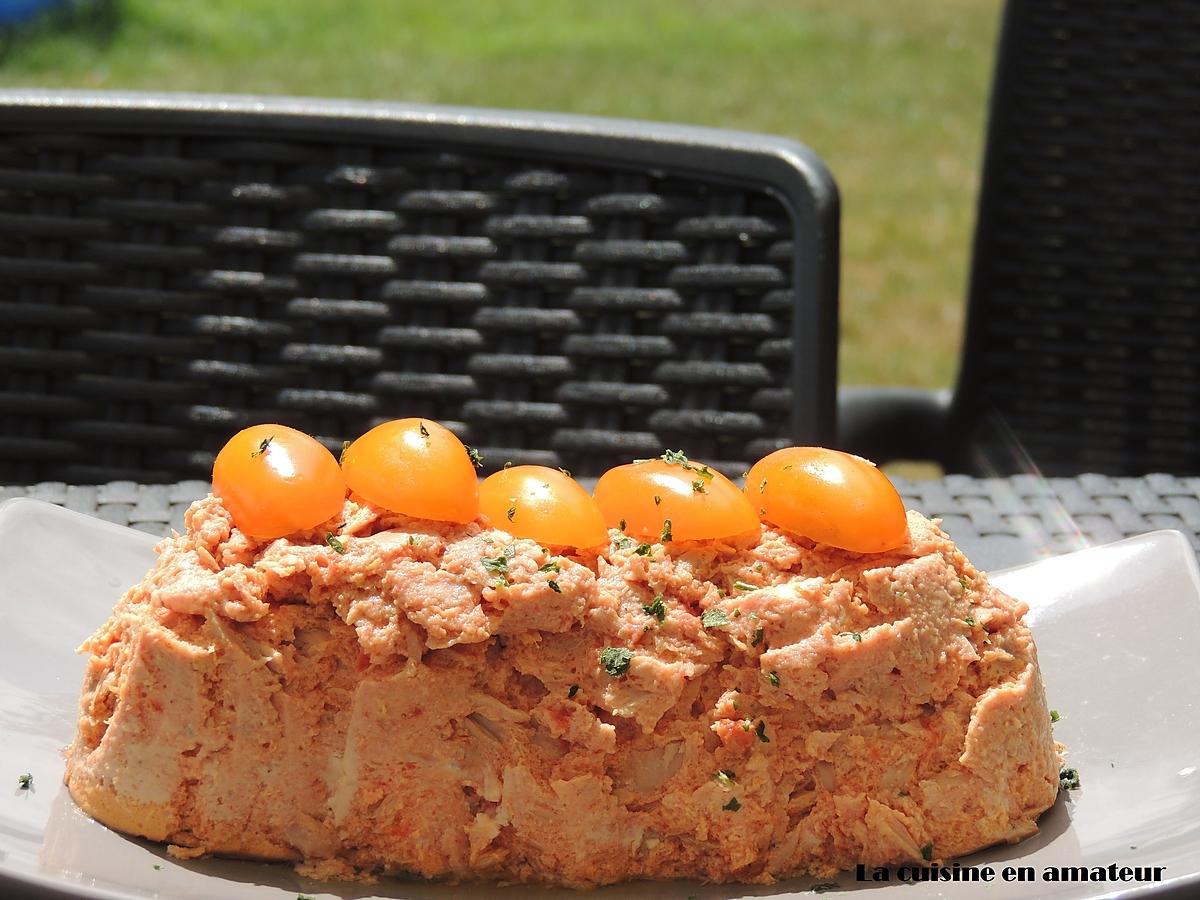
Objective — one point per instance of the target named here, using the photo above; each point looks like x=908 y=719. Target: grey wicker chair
x=567 y=291
x=1083 y=327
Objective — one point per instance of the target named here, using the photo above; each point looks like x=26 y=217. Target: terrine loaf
x=380 y=693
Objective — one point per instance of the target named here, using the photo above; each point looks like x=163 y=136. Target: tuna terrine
x=383 y=693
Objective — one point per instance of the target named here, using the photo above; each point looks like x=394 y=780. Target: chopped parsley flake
x=679 y=458
x=962 y=582
x=566 y=472
x=424 y=430
x=476 y=457
x=551 y=566
x=262 y=448
x=623 y=543
x=761 y=730
x=508 y=464
x=622 y=525
x=1068 y=780
x=714 y=618
x=643 y=549
x=657 y=499
x=698 y=487
x=499 y=563
x=657 y=609
x=666 y=531
x=412 y=540
x=725 y=778
x=743 y=586
x=573 y=691
x=25 y=782
x=970 y=620
x=334 y=544
x=1054 y=715
x=773 y=677
x=762 y=485
x=553 y=585
x=158 y=867
x=732 y=805
x=824 y=887
x=512 y=511
x=758 y=636
x=927 y=852
x=615 y=660
x=342 y=455
x=854 y=635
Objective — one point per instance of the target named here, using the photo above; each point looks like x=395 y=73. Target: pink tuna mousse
x=452 y=702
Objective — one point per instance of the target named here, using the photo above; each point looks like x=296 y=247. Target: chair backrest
x=1083 y=336
x=562 y=290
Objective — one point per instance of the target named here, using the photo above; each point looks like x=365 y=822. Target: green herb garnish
x=345 y=447
x=714 y=618
x=725 y=778
x=1068 y=780
x=512 y=511
x=553 y=585
x=623 y=543
x=643 y=549
x=334 y=544
x=1054 y=715
x=666 y=531
x=657 y=609
x=476 y=457
x=773 y=677
x=424 y=430
x=743 y=586
x=854 y=635
x=698 y=487
x=573 y=691
x=615 y=660
x=758 y=636
x=657 y=500
x=566 y=472
x=499 y=563
x=824 y=887
x=970 y=620
x=732 y=805
x=551 y=566
x=25 y=782
x=262 y=448
x=622 y=525
x=927 y=852
x=761 y=730
x=679 y=458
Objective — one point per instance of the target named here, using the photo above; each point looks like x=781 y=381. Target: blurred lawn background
x=891 y=93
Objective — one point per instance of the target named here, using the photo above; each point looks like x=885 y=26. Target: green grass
x=892 y=93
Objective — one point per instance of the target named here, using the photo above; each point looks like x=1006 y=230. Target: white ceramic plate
x=1116 y=627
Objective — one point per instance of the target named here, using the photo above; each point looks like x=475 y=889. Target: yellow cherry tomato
x=416 y=467
x=275 y=480
x=672 y=498
x=829 y=496
x=544 y=505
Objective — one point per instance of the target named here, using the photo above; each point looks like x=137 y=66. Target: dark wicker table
x=998 y=522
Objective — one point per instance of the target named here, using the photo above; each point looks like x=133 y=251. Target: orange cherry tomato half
x=544 y=505
x=416 y=467
x=275 y=480
x=829 y=496
x=672 y=498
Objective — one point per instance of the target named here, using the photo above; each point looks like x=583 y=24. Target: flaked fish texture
x=452 y=702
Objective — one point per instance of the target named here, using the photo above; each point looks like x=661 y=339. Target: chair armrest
x=890 y=423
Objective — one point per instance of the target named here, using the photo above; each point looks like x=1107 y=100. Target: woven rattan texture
x=997 y=521
x=163 y=292
x=1088 y=266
